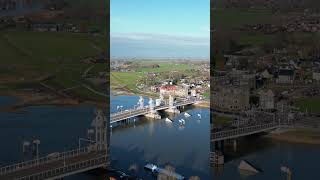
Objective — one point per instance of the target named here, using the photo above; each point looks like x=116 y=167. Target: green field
x=32 y=55
x=311 y=105
x=164 y=67
x=226 y=19
x=129 y=80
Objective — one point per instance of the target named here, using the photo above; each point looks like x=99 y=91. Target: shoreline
x=203 y=104
x=28 y=99
x=297 y=135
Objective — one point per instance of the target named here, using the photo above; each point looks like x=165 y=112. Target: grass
x=127 y=79
x=309 y=104
x=130 y=79
x=226 y=19
x=35 y=54
x=206 y=95
x=164 y=67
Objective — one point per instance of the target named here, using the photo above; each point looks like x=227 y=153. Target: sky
x=160 y=28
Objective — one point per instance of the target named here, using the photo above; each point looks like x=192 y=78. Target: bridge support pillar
x=153 y=114
x=234 y=145
x=172 y=109
x=219 y=145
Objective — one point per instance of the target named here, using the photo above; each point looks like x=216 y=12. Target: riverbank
x=298 y=135
x=203 y=104
x=26 y=99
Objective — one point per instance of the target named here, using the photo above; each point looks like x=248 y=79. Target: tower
x=172 y=108
x=141 y=103
x=99 y=124
x=151 y=106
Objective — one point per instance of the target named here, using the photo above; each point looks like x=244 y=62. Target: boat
x=169 y=120
x=151 y=167
x=199 y=115
x=186 y=114
x=155 y=169
x=182 y=122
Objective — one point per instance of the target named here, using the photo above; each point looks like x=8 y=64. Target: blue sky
x=160 y=28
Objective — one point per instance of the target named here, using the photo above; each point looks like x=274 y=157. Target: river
x=23 y=8
x=132 y=146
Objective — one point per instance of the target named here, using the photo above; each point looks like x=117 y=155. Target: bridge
x=254 y=122
x=61 y=164
x=243 y=131
x=151 y=109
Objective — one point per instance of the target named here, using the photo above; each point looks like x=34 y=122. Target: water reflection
x=185 y=148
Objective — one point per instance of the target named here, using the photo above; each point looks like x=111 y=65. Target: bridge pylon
x=99 y=124
x=141 y=103
x=152 y=112
x=172 y=108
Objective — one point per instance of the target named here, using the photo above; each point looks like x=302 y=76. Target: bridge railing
x=69 y=168
x=42 y=160
x=241 y=131
x=128 y=111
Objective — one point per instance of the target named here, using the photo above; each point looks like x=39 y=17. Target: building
x=266 y=100
x=285 y=76
x=174 y=91
x=231 y=98
x=168 y=90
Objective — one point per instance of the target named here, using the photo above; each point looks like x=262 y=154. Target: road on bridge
x=59 y=168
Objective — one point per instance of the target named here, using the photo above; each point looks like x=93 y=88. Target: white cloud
x=161 y=39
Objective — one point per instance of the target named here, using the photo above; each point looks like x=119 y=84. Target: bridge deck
x=61 y=167
x=244 y=131
x=116 y=117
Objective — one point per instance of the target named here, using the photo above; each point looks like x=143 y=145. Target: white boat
x=168 y=120
x=186 y=114
x=151 y=167
x=182 y=122
x=199 y=115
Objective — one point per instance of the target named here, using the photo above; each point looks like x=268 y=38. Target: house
x=168 y=90
x=231 y=98
x=174 y=91
x=266 y=100
x=154 y=88
x=266 y=75
x=193 y=92
x=285 y=76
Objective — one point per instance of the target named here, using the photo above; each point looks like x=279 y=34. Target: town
x=180 y=78
x=265 y=80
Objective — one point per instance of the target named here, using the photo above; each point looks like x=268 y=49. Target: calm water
x=22 y=9
x=186 y=149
